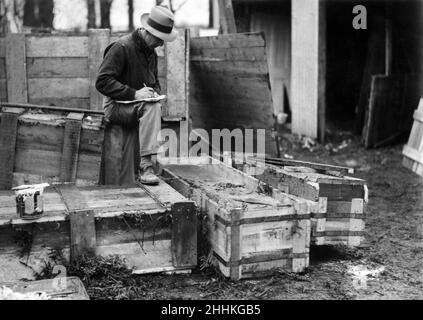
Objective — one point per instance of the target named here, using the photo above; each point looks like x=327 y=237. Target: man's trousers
x=141 y=124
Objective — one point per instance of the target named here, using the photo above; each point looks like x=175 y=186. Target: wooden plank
x=82 y=225
x=322 y=71
x=240 y=40
x=70 y=152
x=184 y=234
x=17 y=90
x=98 y=40
x=8 y=129
x=2 y=47
x=176 y=105
x=66 y=104
x=228 y=54
x=2 y=68
x=307 y=164
x=236 y=245
x=416 y=155
x=3 y=90
x=56 y=67
x=227 y=18
x=112 y=155
x=58 y=88
x=49 y=46
x=305 y=67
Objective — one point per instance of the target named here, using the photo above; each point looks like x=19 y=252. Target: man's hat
x=160 y=23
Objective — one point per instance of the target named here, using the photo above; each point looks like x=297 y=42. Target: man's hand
x=144 y=93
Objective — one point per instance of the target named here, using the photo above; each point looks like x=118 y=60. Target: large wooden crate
x=49 y=145
x=61 y=69
x=152 y=228
x=65 y=288
x=252 y=230
x=413 y=150
x=338 y=213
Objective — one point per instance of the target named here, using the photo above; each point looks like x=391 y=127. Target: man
x=129 y=72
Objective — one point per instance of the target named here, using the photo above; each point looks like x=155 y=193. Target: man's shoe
x=148 y=177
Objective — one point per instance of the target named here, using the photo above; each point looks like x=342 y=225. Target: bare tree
x=91 y=13
x=39 y=14
x=105 y=6
x=131 y=15
x=11 y=15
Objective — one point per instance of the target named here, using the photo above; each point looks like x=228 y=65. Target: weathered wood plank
x=184 y=234
x=228 y=54
x=2 y=47
x=3 y=90
x=73 y=103
x=56 y=46
x=58 y=88
x=70 y=152
x=56 y=67
x=240 y=40
x=176 y=105
x=305 y=65
x=226 y=17
x=8 y=129
x=98 y=40
x=2 y=68
x=17 y=90
x=112 y=155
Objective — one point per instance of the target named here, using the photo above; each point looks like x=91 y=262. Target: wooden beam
x=36 y=106
x=8 y=131
x=184 y=234
x=112 y=158
x=98 y=39
x=17 y=89
x=227 y=18
x=82 y=224
x=305 y=67
x=70 y=152
x=322 y=72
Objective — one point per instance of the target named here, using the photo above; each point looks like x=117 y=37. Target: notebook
x=155 y=99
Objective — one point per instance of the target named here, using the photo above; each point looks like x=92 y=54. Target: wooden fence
x=61 y=69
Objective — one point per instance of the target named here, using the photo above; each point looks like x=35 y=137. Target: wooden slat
x=63 y=103
x=226 y=17
x=58 y=88
x=175 y=78
x=242 y=40
x=56 y=46
x=184 y=234
x=2 y=47
x=56 y=67
x=413 y=154
x=17 y=90
x=8 y=129
x=112 y=155
x=228 y=54
x=98 y=40
x=70 y=152
x=305 y=65
x=82 y=225
x=3 y=90
x=2 y=68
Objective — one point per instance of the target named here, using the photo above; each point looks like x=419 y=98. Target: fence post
x=98 y=39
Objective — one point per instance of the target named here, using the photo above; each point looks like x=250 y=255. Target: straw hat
x=160 y=23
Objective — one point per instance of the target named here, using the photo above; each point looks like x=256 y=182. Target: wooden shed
x=325 y=71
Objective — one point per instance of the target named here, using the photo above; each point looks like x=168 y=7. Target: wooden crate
x=251 y=233
x=38 y=145
x=152 y=228
x=66 y=288
x=61 y=69
x=413 y=150
x=338 y=213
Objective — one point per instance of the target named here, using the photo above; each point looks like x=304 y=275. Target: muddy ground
x=392 y=252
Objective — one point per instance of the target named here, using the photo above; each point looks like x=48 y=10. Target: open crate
x=252 y=230
x=338 y=216
x=152 y=228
